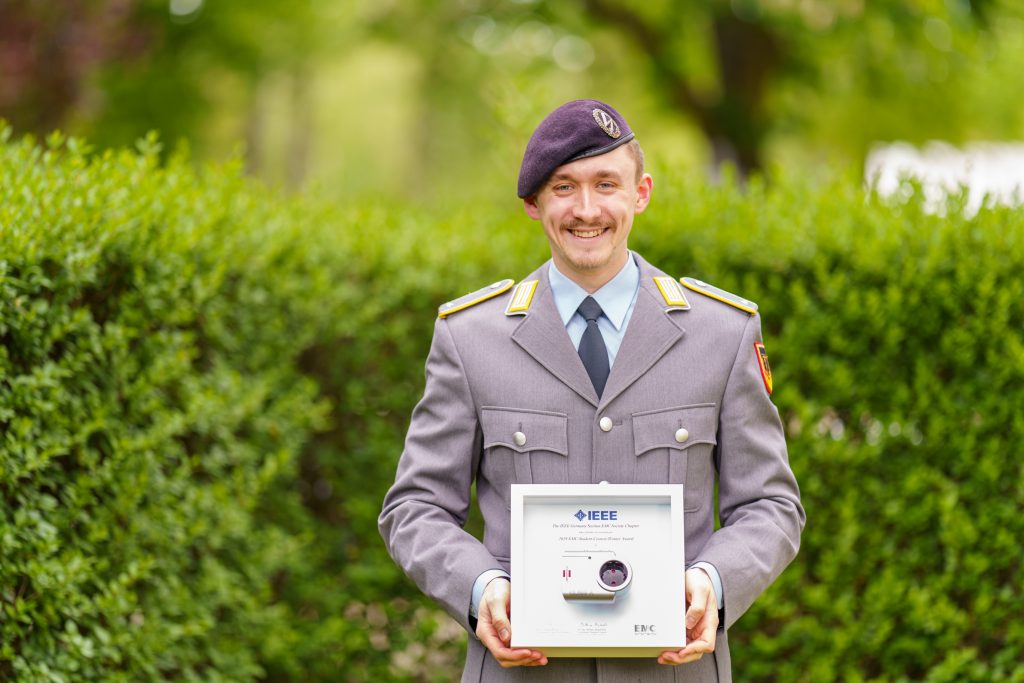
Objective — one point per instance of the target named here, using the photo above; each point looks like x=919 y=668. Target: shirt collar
x=614 y=297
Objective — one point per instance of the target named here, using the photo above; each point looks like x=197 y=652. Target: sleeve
x=758 y=497
x=425 y=509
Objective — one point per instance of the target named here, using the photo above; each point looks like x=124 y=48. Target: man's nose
x=586 y=208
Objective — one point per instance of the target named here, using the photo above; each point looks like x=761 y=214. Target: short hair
x=637 y=153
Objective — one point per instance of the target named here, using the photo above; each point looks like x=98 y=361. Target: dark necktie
x=593 y=352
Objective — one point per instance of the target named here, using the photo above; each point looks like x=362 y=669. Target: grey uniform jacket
x=491 y=374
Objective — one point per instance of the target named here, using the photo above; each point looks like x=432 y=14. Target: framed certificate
x=598 y=569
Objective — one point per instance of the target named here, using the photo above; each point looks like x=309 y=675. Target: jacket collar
x=652 y=331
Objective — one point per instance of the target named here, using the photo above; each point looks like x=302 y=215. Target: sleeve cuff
x=481 y=583
x=716 y=581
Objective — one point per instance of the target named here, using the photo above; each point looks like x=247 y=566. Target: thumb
x=499 y=620
x=504 y=629
x=498 y=612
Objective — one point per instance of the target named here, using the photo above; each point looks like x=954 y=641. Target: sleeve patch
x=762 y=362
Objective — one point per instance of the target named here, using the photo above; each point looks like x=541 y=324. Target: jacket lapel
x=543 y=336
x=651 y=332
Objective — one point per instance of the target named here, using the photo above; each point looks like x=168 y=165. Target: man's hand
x=701 y=620
x=495 y=631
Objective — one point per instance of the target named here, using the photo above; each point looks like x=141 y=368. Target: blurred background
x=204 y=385
x=435 y=99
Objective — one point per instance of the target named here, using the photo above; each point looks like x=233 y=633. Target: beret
x=577 y=129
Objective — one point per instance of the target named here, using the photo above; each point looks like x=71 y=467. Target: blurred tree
x=48 y=51
x=116 y=69
x=208 y=54
x=740 y=70
x=456 y=86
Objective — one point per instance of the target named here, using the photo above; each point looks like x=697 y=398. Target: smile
x=587 y=234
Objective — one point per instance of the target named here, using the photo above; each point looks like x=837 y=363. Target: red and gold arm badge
x=762 y=362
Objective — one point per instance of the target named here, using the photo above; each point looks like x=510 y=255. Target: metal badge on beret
x=607 y=123
x=567 y=134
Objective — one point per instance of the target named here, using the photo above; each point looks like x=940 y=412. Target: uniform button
x=605 y=424
x=519 y=438
x=682 y=435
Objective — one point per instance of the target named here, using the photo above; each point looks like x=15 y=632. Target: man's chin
x=588 y=265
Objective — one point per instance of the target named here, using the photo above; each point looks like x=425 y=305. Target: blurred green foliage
x=204 y=388
x=150 y=414
x=361 y=96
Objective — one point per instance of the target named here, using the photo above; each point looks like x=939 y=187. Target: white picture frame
x=598 y=569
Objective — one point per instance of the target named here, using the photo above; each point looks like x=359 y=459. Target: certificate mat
x=564 y=535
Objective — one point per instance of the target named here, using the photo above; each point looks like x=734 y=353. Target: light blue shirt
x=617 y=299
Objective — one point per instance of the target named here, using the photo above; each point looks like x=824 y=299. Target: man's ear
x=643 y=192
x=531 y=208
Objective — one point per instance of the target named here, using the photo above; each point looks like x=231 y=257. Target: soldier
x=596 y=367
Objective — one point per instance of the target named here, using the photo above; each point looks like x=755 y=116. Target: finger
x=691 y=653
x=709 y=628
x=701 y=641
x=695 y=613
x=675 y=658
x=694 y=650
x=508 y=657
x=701 y=638
x=493 y=630
x=499 y=623
x=489 y=637
x=489 y=630
x=495 y=609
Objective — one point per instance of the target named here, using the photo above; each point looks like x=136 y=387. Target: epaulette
x=672 y=293
x=522 y=297
x=720 y=295
x=473 y=298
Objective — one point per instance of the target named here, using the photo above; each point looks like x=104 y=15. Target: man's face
x=587 y=208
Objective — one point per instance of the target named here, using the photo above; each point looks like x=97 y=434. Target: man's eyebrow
x=601 y=173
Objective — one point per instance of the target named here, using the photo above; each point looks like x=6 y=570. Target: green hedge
x=204 y=389
x=150 y=411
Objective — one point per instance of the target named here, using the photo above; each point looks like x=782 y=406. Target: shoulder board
x=473 y=298
x=521 y=299
x=720 y=295
x=673 y=294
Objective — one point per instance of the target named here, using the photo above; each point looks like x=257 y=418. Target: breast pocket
x=675 y=445
x=524 y=446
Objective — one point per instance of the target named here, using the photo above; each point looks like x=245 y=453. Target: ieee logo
x=597 y=515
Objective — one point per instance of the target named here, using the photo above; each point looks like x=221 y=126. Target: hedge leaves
x=204 y=389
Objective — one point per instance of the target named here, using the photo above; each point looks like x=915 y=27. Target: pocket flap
x=525 y=430
x=677 y=428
